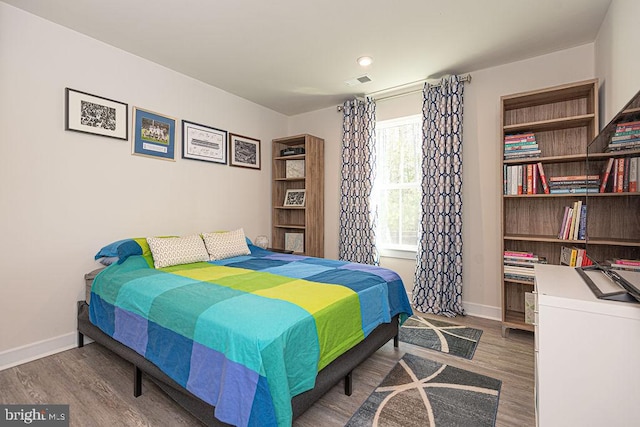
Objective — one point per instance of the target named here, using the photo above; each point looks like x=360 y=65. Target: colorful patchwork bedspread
x=248 y=333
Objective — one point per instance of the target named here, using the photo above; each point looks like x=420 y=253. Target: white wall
x=616 y=57
x=481 y=163
x=65 y=194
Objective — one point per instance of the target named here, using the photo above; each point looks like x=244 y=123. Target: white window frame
x=397 y=251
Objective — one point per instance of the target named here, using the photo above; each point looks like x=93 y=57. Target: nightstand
x=282 y=251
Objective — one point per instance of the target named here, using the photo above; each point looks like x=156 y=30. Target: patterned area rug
x=442 y=336
x=419 y=392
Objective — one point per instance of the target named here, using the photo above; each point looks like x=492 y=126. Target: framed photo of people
x=153 y=135
x=96 y=115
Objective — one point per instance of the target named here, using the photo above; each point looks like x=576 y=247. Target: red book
x=529 y=178
x=632 y=262
x=522 y=136
x=535 y=178
x=543 y=178
x=620 y=179
x=605 y=175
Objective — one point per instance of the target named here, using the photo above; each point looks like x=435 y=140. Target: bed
x=249 y=339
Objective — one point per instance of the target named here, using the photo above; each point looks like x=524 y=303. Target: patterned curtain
x=438 y=279
x=358 y=216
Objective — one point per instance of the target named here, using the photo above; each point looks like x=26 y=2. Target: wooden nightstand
x=88 y=280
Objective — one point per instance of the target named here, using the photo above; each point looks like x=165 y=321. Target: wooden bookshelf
x=564 y=120
x=307 y=219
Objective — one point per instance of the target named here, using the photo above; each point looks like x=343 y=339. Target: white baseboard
x=481 y=310
x=27 y=353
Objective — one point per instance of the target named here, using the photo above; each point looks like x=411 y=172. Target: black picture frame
x=204 y=143
x=96 y=115
x=244 y=151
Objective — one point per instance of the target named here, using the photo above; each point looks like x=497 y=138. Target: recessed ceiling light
x=365 y=61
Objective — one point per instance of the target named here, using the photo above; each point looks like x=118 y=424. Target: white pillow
x=168 y=251
x=226 y=244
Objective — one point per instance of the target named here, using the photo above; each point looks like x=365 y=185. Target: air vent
x=358 y=80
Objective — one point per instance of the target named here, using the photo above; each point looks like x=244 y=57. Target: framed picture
x=294 y=168
x=200 y=142
x=244 y=151
x=294 y=242
x=153 y=135
x=294 y=198
x=94 y=114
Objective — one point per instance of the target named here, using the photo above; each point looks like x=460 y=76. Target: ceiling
x=295 y=56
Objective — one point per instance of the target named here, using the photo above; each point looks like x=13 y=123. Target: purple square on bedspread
x=131 y=329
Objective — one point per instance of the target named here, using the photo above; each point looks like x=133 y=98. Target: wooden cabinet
x=564 y=119
x=294 y=226
x=585 y=350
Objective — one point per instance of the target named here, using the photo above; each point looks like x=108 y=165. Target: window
x=398 y=185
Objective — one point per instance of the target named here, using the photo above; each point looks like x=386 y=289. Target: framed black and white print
x=244 y=151
x=153 y=135
x=94 y=114
x=294 y=198
x=200 y=142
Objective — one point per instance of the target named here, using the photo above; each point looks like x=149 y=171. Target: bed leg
x=80 y=340
x=396 y=341
x=348 y=383
x=137 y=381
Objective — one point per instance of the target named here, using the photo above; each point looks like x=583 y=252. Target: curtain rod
x=466 y=78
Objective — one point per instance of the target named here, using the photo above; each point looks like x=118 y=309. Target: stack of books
x=574 y=222
x=626 y=137
x=519 y=265
x=574 y=257
x=520 y=146
x=525 y=179
x=625 y=264
x=620 y=175
x=579 y=184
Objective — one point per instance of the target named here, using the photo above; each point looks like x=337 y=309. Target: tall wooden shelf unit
x=564 y=120
x=309 y=219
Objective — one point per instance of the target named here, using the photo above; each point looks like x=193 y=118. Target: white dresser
x=587 y=354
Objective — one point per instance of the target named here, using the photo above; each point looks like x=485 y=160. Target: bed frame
x=326 y=379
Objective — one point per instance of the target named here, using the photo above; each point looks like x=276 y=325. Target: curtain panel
x=358 y=216
x=438 y=278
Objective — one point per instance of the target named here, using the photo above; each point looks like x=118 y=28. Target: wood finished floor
x=98 y=386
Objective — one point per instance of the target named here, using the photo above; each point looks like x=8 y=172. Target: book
x=543 y=178
x=565 y=256
x=626 y=136
x=518 y=254
x=633 y=175
x=519 y=136
x=620 y=176
x=521 y=148
x=605 y=175
x=574 y=178
x=576 y=219
x=520 y=143
x=631 y=262
x=564 y=222
x=567 y=226
x=529 y=178
x=574 y=190
x=582 y=227
x=574 y=215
